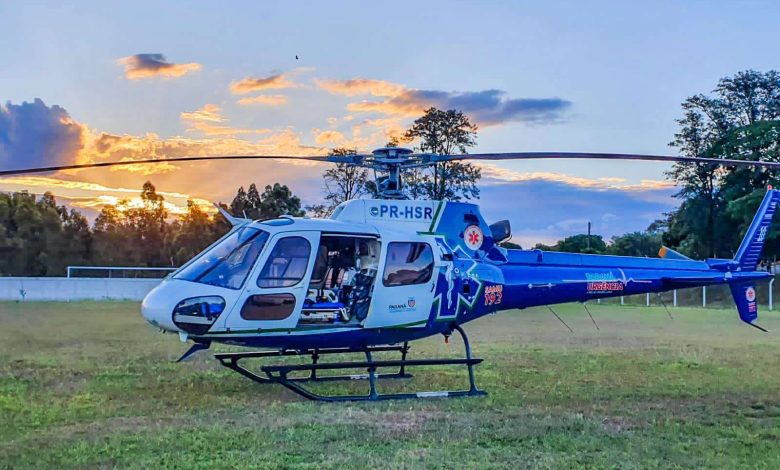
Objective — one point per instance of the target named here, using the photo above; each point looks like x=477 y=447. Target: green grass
x=91 y=385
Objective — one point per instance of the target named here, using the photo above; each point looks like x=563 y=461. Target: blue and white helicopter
x=381 y=273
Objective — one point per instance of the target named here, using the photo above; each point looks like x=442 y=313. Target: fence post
x=647 y=301
x=674 y=299
x=704 y=297
x=771 y=281
x=621 y=300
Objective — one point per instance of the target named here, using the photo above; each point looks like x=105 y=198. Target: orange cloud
x=94 y=196
x=328 y=137
x=264 y=100
x=207 y=120
x=484 y=107
x=140 y=66
x=361 y=86
x=273 y=82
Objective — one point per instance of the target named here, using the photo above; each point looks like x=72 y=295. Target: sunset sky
x=105 y=81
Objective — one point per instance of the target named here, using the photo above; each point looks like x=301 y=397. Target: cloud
x=208 y=119
x=94 y=196
x=140 y=66
x=332 y=138
x=208 y=113
x=277 y=81
x=486 y=107
x=361 y=86
x=495 y=175
x=33 y=134
x=378 y=132
x=264 y=100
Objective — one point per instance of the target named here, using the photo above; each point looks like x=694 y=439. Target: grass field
x=91 y=385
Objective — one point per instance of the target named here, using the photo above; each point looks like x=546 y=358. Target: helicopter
x=381 y=273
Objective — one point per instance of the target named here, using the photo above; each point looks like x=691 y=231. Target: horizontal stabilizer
x=668 y=253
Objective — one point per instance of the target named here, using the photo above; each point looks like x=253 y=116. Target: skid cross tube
x=280 y=374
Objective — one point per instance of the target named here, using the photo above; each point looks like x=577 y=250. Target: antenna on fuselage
x=591 y=317
x=559 y=318
x=661 y=299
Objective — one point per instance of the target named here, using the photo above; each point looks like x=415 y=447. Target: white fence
x=68 y=289
x=119 y=271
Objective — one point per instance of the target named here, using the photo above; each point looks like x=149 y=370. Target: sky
x=104 y=81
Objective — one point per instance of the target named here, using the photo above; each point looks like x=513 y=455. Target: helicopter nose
x=157 y=307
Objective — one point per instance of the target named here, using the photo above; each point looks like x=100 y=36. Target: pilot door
x=276 y=292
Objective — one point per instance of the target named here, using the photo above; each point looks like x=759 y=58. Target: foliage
x=275 y=201
x=444 y=133
x=342 y=182
x=741 y=121
x=581 y=243
x=39 y=238
x=644 y=244
x=510 y=246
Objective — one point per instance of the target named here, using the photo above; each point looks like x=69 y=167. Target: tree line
x=740 y=119
x=40 y=238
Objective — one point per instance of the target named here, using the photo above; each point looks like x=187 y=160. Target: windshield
x=227 y=264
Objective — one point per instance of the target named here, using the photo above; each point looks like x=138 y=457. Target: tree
x=239 y=203
x=39 y=238
x=510 y=246
x=644 y=244
x=149 y=227
x=740 y=121
x=444 y=133
x=342 y=182
x=113 y=242
x=275 y=200
x=581 y=243
x=278 y=200
x=196 y=230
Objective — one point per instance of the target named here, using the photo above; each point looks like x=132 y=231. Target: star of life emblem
x=473 y=237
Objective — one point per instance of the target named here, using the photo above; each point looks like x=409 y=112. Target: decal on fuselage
x=392 y=211
x=494 y=294
x=409 y=306
x=603 y=283
x=473 y=237
x=750 y=294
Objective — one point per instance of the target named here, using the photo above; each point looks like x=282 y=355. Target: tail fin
x=745 y=298
x=749 y=251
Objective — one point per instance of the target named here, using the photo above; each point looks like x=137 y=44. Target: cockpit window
x=227 y=264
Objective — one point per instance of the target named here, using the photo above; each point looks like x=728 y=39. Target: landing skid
x=281 y=374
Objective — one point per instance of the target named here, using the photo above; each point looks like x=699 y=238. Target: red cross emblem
x=473 y=237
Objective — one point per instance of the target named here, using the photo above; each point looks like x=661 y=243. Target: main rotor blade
x=605 y=156
x=24 y=171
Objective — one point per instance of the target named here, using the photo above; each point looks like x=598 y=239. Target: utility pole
x=588 y=236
